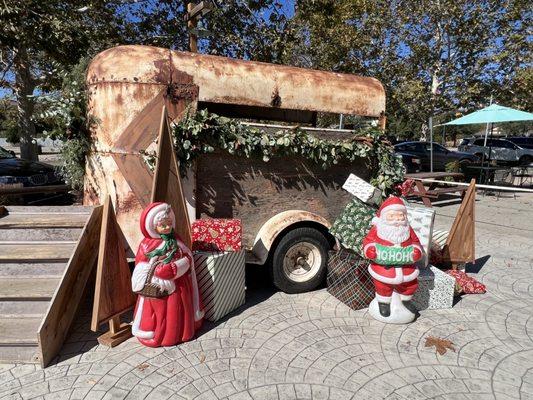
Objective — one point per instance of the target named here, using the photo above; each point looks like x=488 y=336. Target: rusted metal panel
x=229 y=81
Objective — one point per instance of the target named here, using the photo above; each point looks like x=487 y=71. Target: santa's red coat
x=391 y=275
x=171 y=318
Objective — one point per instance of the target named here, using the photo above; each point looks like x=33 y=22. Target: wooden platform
x=36 y=247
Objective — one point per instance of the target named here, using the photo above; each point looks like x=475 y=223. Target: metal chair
x=523 y=173
x=503 y=178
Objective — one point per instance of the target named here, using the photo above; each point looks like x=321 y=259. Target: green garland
x=203 y=132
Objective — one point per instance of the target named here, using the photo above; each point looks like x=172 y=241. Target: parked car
x=524 y=142
x=411 y=162
x=441 y=155
x=16 y=172
x=502 y=150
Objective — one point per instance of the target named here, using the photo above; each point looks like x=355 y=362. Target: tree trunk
x=24 y=86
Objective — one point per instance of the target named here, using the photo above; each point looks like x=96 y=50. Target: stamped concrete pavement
x=310 y=346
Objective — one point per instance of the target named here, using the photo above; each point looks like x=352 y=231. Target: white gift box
x=422 y=220
x=221 y=282
x=361 y=189
x=435 y=289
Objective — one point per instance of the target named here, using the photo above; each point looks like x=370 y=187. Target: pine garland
x=203 y=132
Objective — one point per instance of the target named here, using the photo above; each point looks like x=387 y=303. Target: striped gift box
x=422 y=220
x=221 y=282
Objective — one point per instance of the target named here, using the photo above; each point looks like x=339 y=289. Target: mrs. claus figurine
x=393 y=248
x=168 y=309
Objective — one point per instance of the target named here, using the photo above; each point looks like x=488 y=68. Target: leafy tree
x=433 y=56
x=38 y=36
x=249 y=29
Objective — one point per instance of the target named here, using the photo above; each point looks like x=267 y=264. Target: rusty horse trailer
x=286 y=205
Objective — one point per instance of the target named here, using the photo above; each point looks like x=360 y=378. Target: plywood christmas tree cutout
x=167 y=182
x=112 y=295
x=460 y=246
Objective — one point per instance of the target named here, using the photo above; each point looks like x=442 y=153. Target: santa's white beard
x=394 y=232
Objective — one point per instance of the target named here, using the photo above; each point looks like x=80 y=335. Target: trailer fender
x=278 y=224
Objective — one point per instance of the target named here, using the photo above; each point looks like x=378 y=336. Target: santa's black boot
x=384 y=309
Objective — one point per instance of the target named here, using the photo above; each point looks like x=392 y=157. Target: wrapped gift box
x=348 y=279
x=220 y=277
x=217 y=235
x=435 y=289
x=422 y=220
x=353 y=224
x=361 y=189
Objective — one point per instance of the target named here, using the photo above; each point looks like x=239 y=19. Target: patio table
x=433 y=192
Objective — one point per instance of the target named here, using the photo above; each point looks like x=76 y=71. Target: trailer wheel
x=299 y=260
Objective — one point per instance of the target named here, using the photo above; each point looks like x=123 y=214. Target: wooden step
x=37 y=251
x=40 y=234
x=27 y=288
x=43 y=220
x=38 y=270
x=23 y=309
x=49 y=209
x=12 y=354
x=19 y=331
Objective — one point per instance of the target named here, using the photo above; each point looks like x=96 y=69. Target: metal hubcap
x=302 y=262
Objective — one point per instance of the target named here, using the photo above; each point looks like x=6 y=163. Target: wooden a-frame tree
x=167 y=182
x=113 y=295
x=460 y=247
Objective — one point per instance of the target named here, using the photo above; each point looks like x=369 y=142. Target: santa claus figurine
x=168 y=309
x=393 y=247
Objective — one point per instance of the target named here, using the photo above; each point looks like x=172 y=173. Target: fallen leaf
x=142 y=367
x=202 y=357
x=441 y=345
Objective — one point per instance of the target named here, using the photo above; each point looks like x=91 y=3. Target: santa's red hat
x=393 y=203
x=151 y=215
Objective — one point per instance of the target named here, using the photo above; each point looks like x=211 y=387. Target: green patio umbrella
x=492 y=114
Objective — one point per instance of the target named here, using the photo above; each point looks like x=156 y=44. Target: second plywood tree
x=113 y=295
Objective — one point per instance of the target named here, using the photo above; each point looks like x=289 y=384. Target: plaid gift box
x=221 y=282
x=217 y=235
x=348 y=279
x=361 y=189
x=353 y=224
x=435 y=289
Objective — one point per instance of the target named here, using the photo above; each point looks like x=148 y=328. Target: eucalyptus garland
x=203 y=132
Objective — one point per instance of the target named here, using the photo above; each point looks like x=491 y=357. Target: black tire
x=525 y=160
x=465 y=161
x=290 y=243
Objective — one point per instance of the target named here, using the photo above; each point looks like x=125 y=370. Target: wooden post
x=112 y=294
x=192 y=23
x=382 y=121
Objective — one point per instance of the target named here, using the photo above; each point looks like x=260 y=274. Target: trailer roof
x=243 y=88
